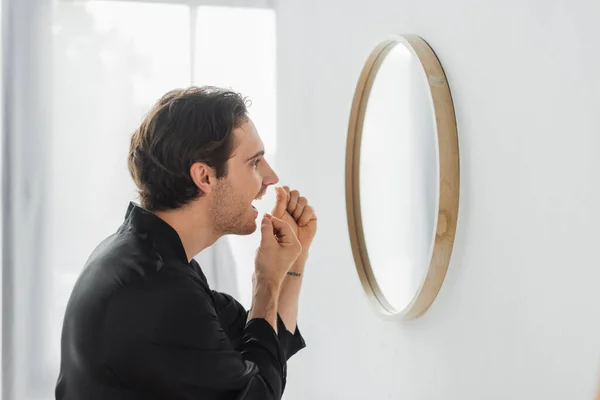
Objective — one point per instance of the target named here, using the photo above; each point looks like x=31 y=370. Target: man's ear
x=203 y=176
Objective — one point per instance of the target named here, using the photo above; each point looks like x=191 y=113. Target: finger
x=281 y=202
x=302 y=203
x=293 y=203
x=267 y=231
x=284 y=231
x=307 y=215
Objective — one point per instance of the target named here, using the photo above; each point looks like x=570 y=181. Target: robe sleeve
x=233 y=317
x=164 y=337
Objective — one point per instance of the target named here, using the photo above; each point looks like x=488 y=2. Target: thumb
x=284 y=232
x=281 y=203
x=266 y=230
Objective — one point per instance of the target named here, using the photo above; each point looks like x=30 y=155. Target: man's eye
x=256 y=162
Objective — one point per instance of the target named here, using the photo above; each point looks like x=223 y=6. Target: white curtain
x=77 y=79
x=27 y=121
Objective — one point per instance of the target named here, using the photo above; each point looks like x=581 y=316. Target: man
x=142 y=322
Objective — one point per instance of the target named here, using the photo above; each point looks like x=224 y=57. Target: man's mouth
x=258 y=197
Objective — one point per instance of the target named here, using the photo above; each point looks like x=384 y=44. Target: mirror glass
x=399 y=177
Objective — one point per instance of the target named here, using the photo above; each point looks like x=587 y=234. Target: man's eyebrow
x=260 y=153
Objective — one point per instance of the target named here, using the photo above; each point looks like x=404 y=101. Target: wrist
x=297 y=269
x=301 y=260
x=265 y=299
x=267 y=284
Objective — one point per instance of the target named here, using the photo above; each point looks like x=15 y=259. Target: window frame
x=196 y=3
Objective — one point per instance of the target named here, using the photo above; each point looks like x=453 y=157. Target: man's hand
x=279 y=248
x=295 y=210
x=300 y=216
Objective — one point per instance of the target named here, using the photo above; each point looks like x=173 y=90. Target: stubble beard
x=230 y=214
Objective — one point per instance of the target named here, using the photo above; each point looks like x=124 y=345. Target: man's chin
x=247 y=229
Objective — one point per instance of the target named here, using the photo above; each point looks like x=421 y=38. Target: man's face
x=248 y=176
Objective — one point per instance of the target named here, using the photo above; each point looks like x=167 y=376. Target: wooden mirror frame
x=448 y=177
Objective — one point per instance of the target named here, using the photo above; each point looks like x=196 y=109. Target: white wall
x=519 y=314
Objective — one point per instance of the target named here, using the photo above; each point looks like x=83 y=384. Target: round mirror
x=402 y=176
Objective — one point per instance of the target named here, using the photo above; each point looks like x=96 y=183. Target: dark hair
x=185 y=126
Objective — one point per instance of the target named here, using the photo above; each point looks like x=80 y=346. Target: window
x=112 y=60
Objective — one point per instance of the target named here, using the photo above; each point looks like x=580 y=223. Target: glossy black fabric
x=142 y=323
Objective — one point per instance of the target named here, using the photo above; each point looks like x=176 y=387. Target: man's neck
x=195 y=232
